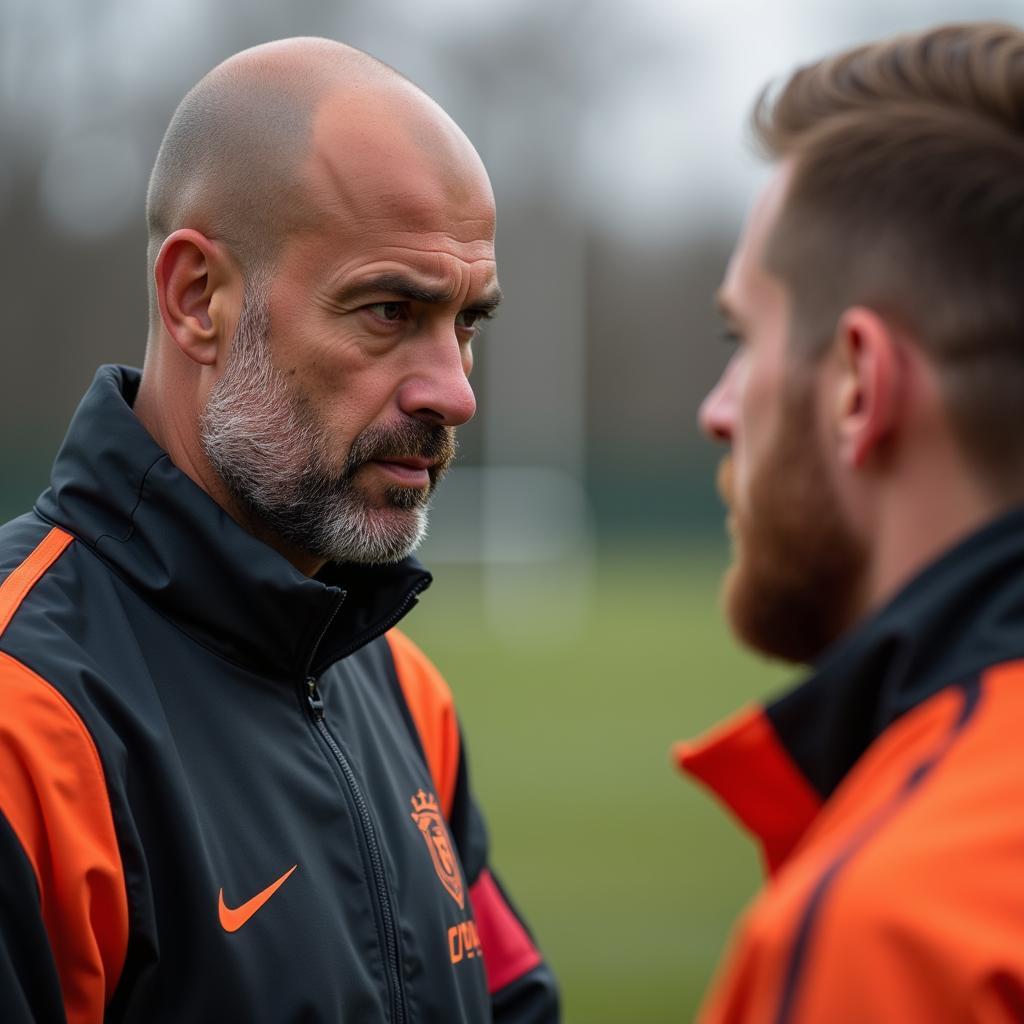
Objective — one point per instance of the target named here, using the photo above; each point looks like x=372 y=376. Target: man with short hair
x=874 y=408
x=230 y=790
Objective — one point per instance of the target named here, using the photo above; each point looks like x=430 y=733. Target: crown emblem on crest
x=426 y=812
x=424 y=802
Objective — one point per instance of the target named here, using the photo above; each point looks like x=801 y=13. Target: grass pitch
x=630 y=876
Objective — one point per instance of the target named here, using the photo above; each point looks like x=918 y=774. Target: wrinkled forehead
x=391 y=156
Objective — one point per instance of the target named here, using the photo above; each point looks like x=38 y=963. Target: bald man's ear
x=870 y=382
x=199 y=290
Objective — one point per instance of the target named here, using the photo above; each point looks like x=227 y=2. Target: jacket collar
x=961 y=615
x=119 y=493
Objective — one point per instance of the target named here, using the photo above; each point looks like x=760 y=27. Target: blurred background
x=577 y=548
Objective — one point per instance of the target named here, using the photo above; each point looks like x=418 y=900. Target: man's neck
x=175 y=427
x=920 y=520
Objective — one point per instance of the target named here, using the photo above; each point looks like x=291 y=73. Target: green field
x=629 y=874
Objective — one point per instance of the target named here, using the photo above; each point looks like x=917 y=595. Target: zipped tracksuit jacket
x=228 y=792
x=887 y=792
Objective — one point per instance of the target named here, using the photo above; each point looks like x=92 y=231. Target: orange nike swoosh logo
x=231 y=919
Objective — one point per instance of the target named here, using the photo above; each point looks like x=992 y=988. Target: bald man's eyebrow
x=411 y=290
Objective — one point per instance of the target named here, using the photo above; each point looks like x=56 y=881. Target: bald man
x=230 y=789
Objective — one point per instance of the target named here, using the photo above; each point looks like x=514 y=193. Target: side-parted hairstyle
x=907 y=196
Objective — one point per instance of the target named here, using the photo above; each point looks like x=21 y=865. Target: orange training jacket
x=887 y=793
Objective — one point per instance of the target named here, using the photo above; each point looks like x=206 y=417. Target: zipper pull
x=313 y=696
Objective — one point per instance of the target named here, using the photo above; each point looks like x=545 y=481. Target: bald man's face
x=370 y=320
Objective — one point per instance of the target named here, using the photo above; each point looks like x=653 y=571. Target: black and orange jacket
x=227 y=792
x=887 y=794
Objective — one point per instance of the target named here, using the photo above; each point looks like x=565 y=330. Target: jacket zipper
x=397 y=991
x=378 y=629
x=316 y=706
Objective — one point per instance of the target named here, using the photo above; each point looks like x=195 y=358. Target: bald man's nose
x=440 y=391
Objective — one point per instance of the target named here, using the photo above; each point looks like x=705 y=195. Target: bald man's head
x=322 y=259
x=232 y=162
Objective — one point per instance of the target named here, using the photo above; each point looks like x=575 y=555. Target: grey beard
x=265 y=444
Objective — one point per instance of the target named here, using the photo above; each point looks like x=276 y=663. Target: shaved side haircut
x=230 y=164
x=907 y=196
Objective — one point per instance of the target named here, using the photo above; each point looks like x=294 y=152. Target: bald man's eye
x=393 y=312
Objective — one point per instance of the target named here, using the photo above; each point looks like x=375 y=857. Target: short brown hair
x=907 y=195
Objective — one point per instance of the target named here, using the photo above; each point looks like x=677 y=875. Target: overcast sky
x=640 y=107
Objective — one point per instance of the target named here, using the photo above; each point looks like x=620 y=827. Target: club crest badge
x=427 y=815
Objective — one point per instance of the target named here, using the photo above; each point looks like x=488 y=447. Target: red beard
x=798 y=567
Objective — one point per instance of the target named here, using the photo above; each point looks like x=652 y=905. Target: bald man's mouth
x=409 y=472
x=411 y=454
